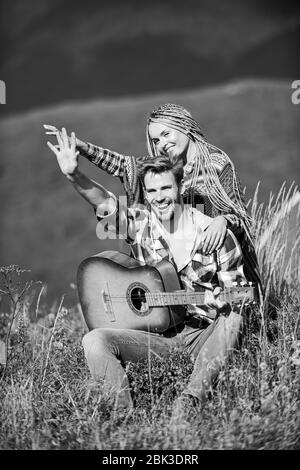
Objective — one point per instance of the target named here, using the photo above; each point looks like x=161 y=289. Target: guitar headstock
x=242 y=294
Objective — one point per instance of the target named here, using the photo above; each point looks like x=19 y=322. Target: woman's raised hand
x=65 y=151
x=52 y=130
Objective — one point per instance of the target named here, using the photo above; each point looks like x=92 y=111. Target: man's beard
x=166 y=214
x=170 y=216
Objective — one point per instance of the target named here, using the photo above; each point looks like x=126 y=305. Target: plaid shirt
x=149 y=244
x=125 y=167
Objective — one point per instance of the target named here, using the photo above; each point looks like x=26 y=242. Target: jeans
x=107 y=351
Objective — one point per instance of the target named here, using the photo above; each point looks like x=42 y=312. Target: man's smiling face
x=162 y=193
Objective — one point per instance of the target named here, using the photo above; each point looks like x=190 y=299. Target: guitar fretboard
x=159 y=299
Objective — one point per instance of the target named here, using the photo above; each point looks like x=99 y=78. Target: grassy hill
x=48 y=228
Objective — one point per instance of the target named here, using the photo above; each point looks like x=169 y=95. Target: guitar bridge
x=108 y=308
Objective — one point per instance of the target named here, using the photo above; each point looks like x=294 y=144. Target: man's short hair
x=160 y=165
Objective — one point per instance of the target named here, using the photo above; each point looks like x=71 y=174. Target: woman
x=209 y=178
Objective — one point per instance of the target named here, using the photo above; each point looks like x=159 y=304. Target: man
x=166 y=228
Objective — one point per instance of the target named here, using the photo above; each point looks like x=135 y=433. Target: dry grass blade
x=277 y=238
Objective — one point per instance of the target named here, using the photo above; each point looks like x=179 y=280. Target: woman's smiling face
x=167 y=141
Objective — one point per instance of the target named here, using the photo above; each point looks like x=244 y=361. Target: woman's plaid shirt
x=148 y=241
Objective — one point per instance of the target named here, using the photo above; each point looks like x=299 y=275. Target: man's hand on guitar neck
x=212 y=300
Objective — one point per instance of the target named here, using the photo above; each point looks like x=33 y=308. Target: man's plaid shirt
x=149 y=244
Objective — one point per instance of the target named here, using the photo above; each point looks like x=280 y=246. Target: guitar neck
x=158 y=299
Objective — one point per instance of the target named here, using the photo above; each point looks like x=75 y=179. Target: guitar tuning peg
x=243 y=283
x=234 y=283
x=250 y=283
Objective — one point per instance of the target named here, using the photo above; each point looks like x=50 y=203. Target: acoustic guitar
x=117 y=291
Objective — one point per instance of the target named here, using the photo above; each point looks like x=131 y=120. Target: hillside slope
x=48 y=228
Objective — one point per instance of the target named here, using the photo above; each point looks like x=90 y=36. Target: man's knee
x=96 y=342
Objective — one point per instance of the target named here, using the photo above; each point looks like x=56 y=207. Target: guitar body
x=112 y=287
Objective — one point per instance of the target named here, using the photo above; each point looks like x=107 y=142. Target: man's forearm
x=90 y=190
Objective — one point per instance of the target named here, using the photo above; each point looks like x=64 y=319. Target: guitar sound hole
x=137 y=299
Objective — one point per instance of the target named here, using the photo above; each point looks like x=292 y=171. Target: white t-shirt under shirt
x=191 y=225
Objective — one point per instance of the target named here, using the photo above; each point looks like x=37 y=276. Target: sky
x=57 y=50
